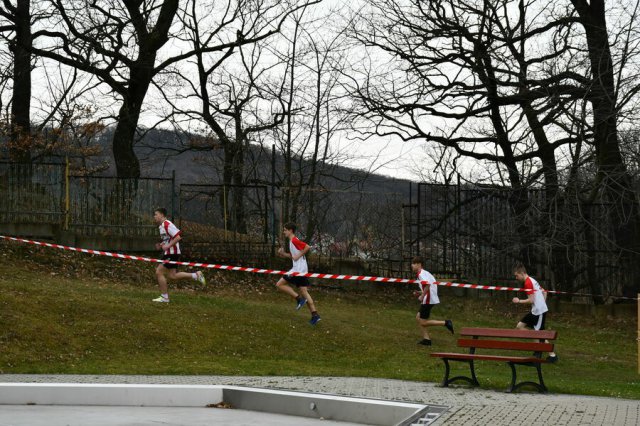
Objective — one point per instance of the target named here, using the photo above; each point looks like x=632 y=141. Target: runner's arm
x=304 y=251
x=424 y=293
x=174 y=240
x=527 y=301
x=283 y=253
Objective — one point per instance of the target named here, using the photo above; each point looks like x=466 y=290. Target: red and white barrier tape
x=277 y=272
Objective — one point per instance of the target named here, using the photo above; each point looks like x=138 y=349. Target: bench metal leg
x=543 y=388
x=447 y=369
x=473 y=381
x=514 y=387
x=473 y=373
x=513 y=377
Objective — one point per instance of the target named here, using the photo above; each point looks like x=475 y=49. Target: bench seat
x=516 y=359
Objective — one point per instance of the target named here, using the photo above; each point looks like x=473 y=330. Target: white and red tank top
x=539 y=305
x=431 y=297
x=295 y=247
x=168 y=231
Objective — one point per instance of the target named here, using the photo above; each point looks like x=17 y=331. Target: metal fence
x=46 y=193
x=231 y=212
x=466 y=232
x=230 y=223
x=342 y=223
x=225 y=223
x=31 y=193
x=473 y=233
x=114 y=206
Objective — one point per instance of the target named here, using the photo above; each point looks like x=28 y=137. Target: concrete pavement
x=467 y=406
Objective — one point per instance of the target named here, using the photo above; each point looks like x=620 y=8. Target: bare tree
x=459 y=67
x=606 y=101
x=32 y=133
x=122 y=47
x=314 y=115
x=237 y=92
x=475 y=77
x=16 y=32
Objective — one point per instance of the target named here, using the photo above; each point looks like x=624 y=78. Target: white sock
x=165 y=295
x=195 y=276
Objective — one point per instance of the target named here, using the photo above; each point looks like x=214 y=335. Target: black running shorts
x=297 y=280
x=534 y=321
x=425 y=311
x=173 y=257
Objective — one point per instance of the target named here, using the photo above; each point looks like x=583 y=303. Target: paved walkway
x=468 y=406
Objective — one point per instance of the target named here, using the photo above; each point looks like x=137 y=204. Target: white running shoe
x=160 y=300
x=201 y=278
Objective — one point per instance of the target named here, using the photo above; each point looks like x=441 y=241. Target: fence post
x=265 y=218
x=418 y=237
x=457 y=227
x=410 y=219
x=173 y=195
x=273 y=199
x=67 y=202
x=402 y=235
x=445 y=240
x=224 y=207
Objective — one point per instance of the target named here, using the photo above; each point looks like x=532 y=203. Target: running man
x=297 y=251
x=170 y=247
x=537 y=298
x=428 y=296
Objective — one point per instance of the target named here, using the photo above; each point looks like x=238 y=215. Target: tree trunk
x=592 y=278
x=240 y=222
x=554 y=205
x=21 y=101
x=227 y=178
x=127 y=164
x=617 y=185
x=518 y=198
x=311 y=215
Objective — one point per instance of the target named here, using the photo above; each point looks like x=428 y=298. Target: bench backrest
x=476 y=338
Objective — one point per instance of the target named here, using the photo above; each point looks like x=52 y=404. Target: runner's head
x=160 y=215
x=416 y=264
x=289 y=229
x=520 y=272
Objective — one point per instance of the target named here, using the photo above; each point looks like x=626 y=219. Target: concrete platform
x=119 y=404
x=25 y=415
x=468 y=406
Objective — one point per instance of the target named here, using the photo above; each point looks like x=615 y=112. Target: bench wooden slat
x=505 y=344
x=509 y=333
x=488 y=357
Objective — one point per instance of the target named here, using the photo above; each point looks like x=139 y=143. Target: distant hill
x=161 y=152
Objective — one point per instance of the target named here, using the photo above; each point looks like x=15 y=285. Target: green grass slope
x=70 y=313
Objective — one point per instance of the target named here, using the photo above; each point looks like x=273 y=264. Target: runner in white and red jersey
x=170 y=246
x=297 y=251
x=428 y=295
x=537 y=297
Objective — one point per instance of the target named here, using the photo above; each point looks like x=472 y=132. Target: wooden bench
x=500 y=339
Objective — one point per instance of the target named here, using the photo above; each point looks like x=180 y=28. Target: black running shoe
x=449 y=325
x=425 y=342
x=552 y=359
